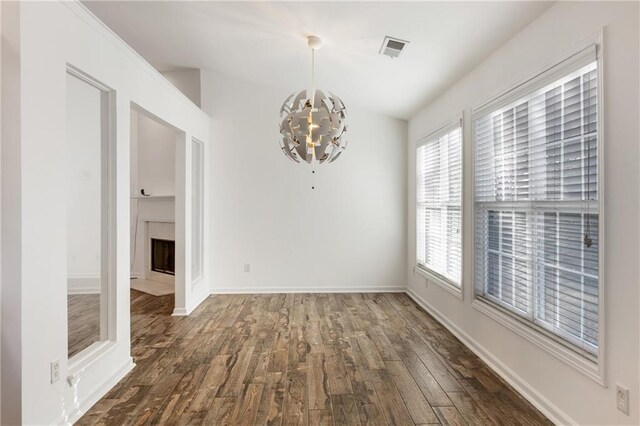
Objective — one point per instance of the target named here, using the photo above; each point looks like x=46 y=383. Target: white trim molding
x=87 y=284
x=199 y=296
x=344 y=289
x=439 y=281
x=88 y=359
x=548 y=408
x=179 y=312
x=198 y=299
x=82 y=407
x=543 y=340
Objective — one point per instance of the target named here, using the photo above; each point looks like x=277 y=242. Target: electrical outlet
x=622 y=399
x=55 y=371
x=247 y=267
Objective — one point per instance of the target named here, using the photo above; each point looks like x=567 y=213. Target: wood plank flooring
x=83 y=321
x=305 y=359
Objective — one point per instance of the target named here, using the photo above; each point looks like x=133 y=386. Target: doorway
x=153 y=205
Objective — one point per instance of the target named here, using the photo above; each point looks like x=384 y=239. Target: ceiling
x=264 y=43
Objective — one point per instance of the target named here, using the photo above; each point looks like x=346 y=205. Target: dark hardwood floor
x=83 y=321
x=314 y=359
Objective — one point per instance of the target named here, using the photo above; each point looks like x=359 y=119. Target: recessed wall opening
x=88 y=206
x=153 y=205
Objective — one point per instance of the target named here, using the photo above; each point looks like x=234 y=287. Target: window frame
x=431 y=276
x=590 y=365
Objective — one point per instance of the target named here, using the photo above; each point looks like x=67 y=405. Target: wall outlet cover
x=622 y=399
x=55 y=371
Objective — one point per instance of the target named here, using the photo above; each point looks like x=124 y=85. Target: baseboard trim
x=179 y=312
x=199 y=299
x=549 y=409
x=183 y=312
x=90 y=401
x=271 y=290
x=83 y=290
x=83 y=284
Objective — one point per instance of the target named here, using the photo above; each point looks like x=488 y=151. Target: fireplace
x=163 y=256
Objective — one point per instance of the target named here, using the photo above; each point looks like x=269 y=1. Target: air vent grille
x=393 y=47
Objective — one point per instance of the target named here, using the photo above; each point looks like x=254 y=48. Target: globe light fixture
x=312 y=123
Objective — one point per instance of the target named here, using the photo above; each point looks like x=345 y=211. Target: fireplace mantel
x=153 y=197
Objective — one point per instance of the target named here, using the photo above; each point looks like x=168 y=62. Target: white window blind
x=536 y=205
x=439 y=204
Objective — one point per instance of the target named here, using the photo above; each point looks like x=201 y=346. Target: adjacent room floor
x=154 y=288
x=84 y=321
x=304 y=359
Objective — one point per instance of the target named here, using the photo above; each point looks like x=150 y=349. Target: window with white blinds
x=536 y=205
x=439 y=204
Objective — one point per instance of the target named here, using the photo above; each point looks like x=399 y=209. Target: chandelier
x=313 y=124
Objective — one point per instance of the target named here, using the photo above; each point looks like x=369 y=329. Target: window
x=439 y=204
x=536 y=203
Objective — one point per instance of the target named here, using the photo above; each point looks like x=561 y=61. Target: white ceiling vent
x=393 y=47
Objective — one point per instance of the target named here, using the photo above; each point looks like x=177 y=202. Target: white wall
x=187 y=80
x=84 y=183
x=564 y=393
x=348 y=233
x=155 y=165
x=44 y=38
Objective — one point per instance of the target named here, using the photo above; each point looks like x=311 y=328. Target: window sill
x=591 y=369
x=439 y=281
